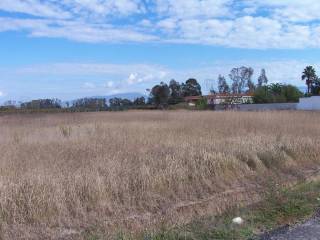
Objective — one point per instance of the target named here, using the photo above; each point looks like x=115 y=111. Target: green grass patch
x=280 y=207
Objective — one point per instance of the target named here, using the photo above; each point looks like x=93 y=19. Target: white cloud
x=61 y=80
x=292 y=10
x=73 y=30
x=89 y=85
x=82 y=8
x=133 y=76
x=193 y=8
x=33 y=7
x=231 y=23
x=109 y=84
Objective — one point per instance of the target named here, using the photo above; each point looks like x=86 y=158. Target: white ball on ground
x=237 y=220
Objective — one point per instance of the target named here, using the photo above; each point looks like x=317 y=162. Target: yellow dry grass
x=71 y=171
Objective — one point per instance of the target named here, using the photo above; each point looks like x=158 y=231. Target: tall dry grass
x=71 y=171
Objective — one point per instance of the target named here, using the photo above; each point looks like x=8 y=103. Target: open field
x=63 y=175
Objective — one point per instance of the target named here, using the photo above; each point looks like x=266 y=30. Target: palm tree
x=309 y=75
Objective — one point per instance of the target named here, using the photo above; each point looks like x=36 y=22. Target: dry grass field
x=62 y=174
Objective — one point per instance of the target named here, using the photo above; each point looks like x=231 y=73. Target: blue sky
x=74 y=48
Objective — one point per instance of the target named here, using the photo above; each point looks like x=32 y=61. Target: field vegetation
x=68 y=175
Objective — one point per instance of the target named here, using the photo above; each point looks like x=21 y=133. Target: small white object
x=237 y=220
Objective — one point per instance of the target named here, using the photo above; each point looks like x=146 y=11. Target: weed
x=65 y=131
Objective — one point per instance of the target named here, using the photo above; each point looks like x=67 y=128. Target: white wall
x=311 y=103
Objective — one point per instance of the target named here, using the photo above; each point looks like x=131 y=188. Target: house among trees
x=222 y=99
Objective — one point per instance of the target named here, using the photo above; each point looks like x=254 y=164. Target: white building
x=220 y=98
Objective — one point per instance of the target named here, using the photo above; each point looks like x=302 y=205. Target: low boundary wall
x=260 y=107
x=311 y=103
x=268 y=107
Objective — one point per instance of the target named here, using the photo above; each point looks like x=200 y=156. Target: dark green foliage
x=119 y=104
x=277 y=93
x=127 y=102
x=89 y=104
x=160 y=95
x=291 y=93
x=115 y=102
x=251 y=86
x=202 y=104
x=309 y=76
x=315 y=88
x=191 y=88
x=139 y=101
x=262 y=79
x=8 y=106
x=261 y=95
x=176 y=95
x=42 y=104
x=223 y=86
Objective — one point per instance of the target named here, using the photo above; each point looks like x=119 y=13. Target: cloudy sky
x=73 y=48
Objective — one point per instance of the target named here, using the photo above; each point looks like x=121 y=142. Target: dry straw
x=73 y=170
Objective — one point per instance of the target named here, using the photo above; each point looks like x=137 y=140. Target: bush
x=261 y=95
x=202 y=104
x=292 y=93
x=277 y=93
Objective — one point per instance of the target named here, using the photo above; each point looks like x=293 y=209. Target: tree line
x=240 y=81
x=82 y=104
x=162 y=95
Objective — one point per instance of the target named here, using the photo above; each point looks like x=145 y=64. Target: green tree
x=160 y=95
x=139 y=101
x=175 y=92
x=309 y=76
x=223 y=86
x=90 y=104
x=202 y=104
x=115 y=102
x=275 y=88
x=262 y=95
x=42 y=104
x=241 y=78
x=277 y=93
x=191 y=88
x=126 y=102
x=251 y=86
x=291 y=93
x=262 y=79
x=315 y=89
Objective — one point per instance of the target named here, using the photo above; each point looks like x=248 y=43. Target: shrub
x=261 y=95
x=291 y=93
x=277 y=93
x=202 y=104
